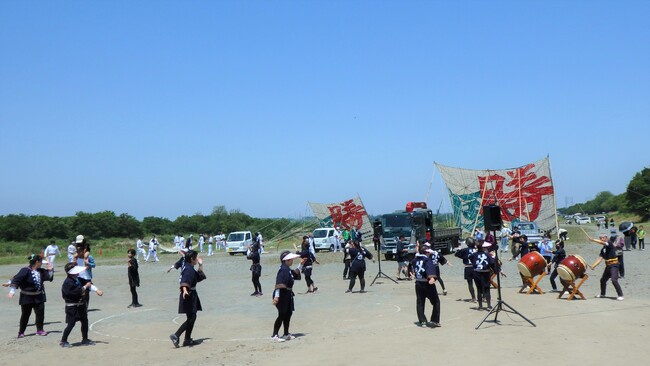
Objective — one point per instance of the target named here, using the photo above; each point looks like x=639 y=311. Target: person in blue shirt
x=558 y=256
x=424 y=274
x=546 y=250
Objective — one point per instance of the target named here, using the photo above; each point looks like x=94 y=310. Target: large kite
x=348 y=214
x=525 y=193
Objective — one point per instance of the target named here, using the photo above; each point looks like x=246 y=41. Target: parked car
x=324 y=239
x=583 y=220
x=238 y=242
x=600 y=218
x=530 y=229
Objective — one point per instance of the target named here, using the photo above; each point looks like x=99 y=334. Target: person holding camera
x=256 y=269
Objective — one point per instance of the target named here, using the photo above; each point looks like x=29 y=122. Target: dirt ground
x=335 y=328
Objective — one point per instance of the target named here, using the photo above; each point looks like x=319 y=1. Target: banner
x=525 y=193
x=349 y=214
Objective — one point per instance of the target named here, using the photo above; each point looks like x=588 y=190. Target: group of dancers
x=424 y=268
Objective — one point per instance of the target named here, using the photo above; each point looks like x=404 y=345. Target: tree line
x=106 y=224
x=635 y=199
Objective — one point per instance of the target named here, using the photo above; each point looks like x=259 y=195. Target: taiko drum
x=531 y=264
x=572 y=268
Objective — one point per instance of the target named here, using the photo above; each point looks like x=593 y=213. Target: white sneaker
x=275 y=338
x=289 y=337
x=620 y=298
x=598 y=296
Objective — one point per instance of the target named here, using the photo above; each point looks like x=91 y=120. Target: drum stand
x=532 y=284
x=499 y=306
x=571 y=286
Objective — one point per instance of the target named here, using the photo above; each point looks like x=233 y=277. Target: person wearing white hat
x=482 y=263
x=76 y=308
x=283 y=295
x=30 y=281
x=188 y=299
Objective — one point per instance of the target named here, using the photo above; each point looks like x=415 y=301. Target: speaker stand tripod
x=381 y=274
x=500 y=303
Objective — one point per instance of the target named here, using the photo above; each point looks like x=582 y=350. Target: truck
x=416 y=222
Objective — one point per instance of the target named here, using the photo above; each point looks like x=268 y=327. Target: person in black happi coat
x=283 y=295
x=358 y=265
x=30 y=280
x=188 y=299
x=424 y=273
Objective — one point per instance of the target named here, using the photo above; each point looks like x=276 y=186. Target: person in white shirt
x=51 y=251
x=338 y=237
x=153 y=246
x=140 y=249
x=210 y=240
x=260 y=240
x=72 y=252
x=201 y=242
x=505 y=237
x=177 y=242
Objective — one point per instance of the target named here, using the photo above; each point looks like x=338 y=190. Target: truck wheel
x=388 y=256
x=331 y=247
x=231 y=253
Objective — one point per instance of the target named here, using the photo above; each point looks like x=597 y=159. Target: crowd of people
x=479 y=258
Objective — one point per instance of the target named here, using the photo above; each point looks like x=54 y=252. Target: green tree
x=638 y=194
x=15 y=227
x=128 y=226
x=157 y=225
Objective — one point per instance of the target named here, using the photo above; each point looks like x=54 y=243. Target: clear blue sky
x=169 y=108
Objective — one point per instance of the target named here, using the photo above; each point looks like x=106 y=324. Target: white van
x=238 y=242
x=324 y=239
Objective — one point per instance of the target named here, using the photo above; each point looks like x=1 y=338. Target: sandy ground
x=335 y=328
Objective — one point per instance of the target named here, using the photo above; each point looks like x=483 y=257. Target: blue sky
x=167 y=108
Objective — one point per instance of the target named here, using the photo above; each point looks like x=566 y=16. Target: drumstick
x=583 y=230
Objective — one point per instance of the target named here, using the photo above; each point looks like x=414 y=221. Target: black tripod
x=381 y=274
x=500 y=303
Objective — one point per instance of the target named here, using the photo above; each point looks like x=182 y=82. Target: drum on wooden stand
x=531 y=265
x=572 y=268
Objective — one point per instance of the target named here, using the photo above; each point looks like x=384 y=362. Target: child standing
x=134 y=277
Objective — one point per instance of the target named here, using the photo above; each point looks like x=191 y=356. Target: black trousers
x=284 y=318
x=362 y=280
x=70 y=326
x=442 y=283
x=134 y=295
x=553 y=277
x=26 y=312
x=424 y=291
x=308 y=279
x=346 y=267
x=482 y=281
x=256 y=282
x=187 y=326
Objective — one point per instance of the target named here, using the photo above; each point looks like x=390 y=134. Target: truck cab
x=530 y=229
x=416 y=222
